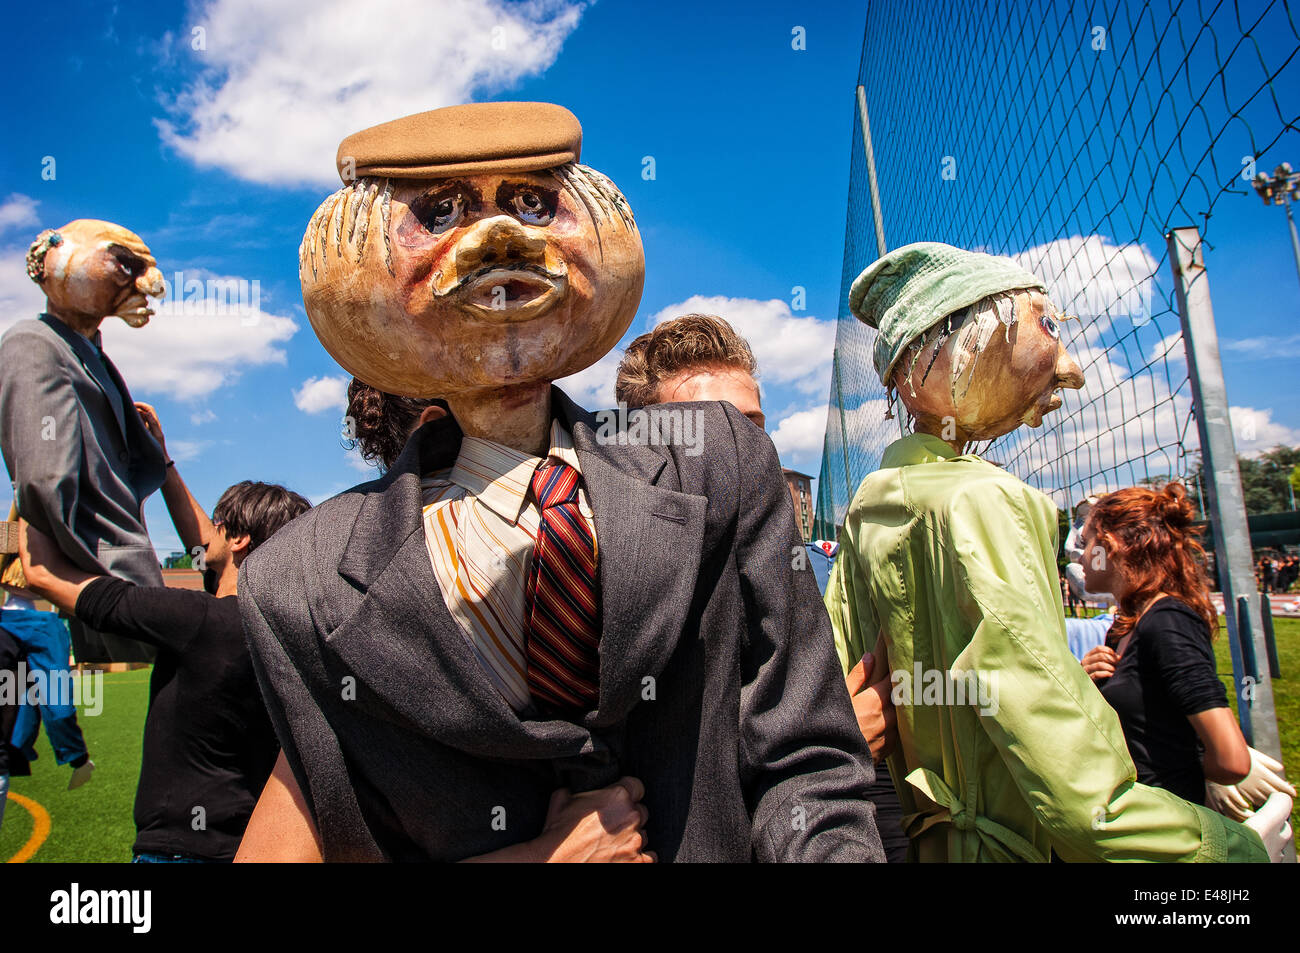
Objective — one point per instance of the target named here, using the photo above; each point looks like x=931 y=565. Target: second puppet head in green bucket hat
x=969 y=341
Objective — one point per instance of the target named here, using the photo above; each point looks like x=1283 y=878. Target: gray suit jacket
x=81 y=462
x=719 y=684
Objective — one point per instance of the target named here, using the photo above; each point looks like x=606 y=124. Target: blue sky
x=749 y=138
x=218 y=156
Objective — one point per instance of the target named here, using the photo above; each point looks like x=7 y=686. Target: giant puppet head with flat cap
x=470 y=256
x=970 y=342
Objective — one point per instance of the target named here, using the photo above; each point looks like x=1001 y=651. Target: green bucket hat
x=913 y=288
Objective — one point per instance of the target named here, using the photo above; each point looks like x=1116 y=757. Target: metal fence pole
x=876 y=211
x=849 y=488
x=1226 y=505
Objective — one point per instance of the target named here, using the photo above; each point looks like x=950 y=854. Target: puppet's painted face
x=96 y=269
x=1003 y=367
x=437 y=287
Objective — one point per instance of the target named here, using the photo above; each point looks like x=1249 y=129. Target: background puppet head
x=468 y=249
x=94 y=270
x=969 y=341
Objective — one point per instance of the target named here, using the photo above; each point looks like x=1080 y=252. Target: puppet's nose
x=499 y=241
x=1068 y=373
x=151 y=282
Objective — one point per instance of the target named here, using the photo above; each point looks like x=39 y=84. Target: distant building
x=800 y=485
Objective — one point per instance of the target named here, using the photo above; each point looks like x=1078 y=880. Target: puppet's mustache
x=551 y=274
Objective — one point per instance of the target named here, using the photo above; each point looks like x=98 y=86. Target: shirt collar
x=916 y=448
x=500 y=476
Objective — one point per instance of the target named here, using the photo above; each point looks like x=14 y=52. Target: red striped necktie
x=562 y=618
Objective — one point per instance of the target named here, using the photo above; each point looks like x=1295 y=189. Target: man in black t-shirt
x=208 y=742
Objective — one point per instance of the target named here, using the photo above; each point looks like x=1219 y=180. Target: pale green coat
x=954 y=561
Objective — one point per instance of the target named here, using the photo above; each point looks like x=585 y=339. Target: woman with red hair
x=1157 y=667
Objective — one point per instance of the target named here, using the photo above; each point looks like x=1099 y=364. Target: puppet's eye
x=1050 y=326
x=531 y=207
x=446 y=212
x=128 y=262
x=440 y=212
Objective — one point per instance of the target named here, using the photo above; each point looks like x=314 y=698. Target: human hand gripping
x=1271 y=823
x=873 y=707
x=149 y=417
x=601 y=826
x=1099 y=662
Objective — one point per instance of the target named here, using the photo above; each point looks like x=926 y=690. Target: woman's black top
x=1167 y=672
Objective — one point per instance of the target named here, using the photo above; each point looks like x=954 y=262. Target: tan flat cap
x=464 y=140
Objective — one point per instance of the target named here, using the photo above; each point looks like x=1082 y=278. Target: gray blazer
x=719 y=684
x=81 y=462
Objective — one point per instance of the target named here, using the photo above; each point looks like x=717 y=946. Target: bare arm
x=189 y=518
x=281 y=829
x=1227 y=758
x=50 y=574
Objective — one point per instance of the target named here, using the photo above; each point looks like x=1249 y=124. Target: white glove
x=1227 y=800
x=1270 y=822
x=1266 y=776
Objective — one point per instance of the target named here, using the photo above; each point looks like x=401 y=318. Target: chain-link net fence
x=1072 y=137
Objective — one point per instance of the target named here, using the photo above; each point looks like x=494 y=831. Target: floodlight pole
x=1281 y=188
x=1295 y=237
x=1225 y=505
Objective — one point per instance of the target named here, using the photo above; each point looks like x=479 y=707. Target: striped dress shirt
x=480 y=528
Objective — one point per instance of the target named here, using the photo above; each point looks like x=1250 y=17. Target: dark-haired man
x=208 y=742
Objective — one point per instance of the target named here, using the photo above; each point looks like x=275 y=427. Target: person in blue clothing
x=46 y=645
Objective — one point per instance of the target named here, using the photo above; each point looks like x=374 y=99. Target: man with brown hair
x=699 y=357
x=694 y=357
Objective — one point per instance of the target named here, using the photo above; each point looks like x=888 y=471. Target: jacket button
x=123 y=456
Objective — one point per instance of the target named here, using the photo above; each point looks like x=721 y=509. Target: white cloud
x=185 y=450
x=791 y=349
x=282 y=83
x=800 y=433
x=319 y=394
x=1092 y=277
x=1254 y=431
x=20 y=297
x=188 y=352
x=204 y=416
x=593 y=388
x=18 y=211
x=1275 y=347
x=188 y=348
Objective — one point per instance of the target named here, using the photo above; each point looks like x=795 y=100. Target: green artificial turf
x=92 y=823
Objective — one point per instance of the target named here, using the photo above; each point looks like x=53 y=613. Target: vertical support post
x=1270 y=639
x=871 y=172
x=1225 y=503
x=844 y=437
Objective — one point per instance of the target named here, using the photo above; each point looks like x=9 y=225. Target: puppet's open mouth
x=1034 y=416
x=135 y=311
x=511 y=294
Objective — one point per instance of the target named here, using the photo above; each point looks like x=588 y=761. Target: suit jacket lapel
x=403 y=644
x=93 y=363
x=650 y=540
